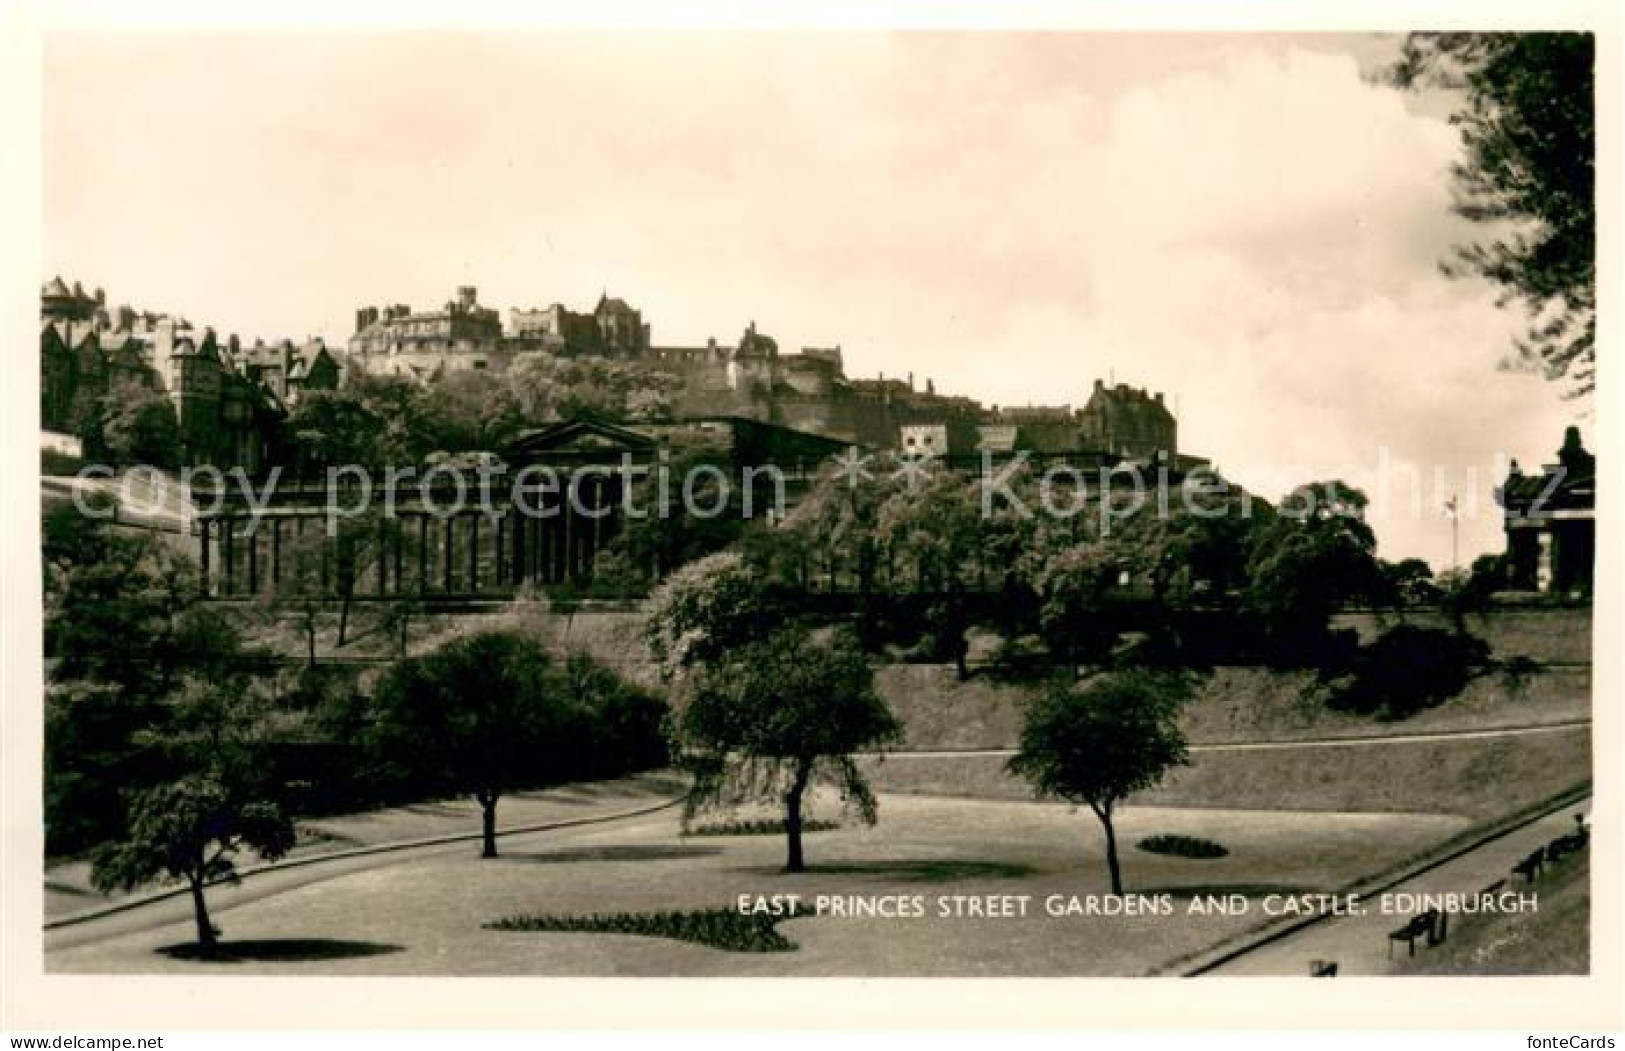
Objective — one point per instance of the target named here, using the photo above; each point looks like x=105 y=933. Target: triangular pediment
x=581 y=435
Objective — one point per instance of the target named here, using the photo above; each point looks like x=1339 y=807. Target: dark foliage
x=1528 y=125
x=724 y=929
x=1407 y=669
x=1182 y=846
x=763 y=827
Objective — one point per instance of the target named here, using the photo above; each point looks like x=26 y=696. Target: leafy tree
x=300 y=590
x=663 y=538
x=138 y=426
x=1409 y=668
x=1316 y=555
x=481 y=715
x=1528 y=126
x=215 y=798
x=935 y=528
x=472 y=410
x=190 y=830
x=1099 y=741
x=359 y=543
x=834 y=527
x=1462 y=593
x=336 y=428
x=551 y=387
x=1408 y=582
x=702 y=612
x=768 y=718
x=625 y=726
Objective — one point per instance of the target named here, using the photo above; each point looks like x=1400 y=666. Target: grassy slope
x=1232 y=704
x=1555 y=939
x=1503 y=775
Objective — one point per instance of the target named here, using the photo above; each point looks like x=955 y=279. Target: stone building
x=612 y=329
x=395 y=340
x=229 y=402
x=754 y=379
x=1128 y=422
x=1551 y=522
x=539 y=514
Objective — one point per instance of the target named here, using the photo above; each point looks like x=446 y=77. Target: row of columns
x=414 y=552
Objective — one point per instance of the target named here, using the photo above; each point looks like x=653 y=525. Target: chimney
x=1100 y=385
x=467 y=296
x=1159 y=397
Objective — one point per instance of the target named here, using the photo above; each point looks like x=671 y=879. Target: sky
x=1248 y=223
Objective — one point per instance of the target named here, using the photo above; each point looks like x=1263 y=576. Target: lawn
x=1231 y=704
x=427 y=915
x=1475 y=777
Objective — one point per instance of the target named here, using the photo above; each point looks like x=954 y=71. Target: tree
x=702 y=612
x=1527 y=122
x=300 y=589
x=190 y=830
x=138 y=426
x=1316 y=555
x=336 y=428
x=1473 y=590
x=359 y=543
x=125 y=625
x=472 y=410
x=1099 y=741
x=937 y=529
x=215 y=799
x=769 y=718
x=481 y=715
x=1408 y=582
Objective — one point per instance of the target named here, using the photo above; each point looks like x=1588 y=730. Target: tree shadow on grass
x=914 y=870
x=277 y=950
x=612 y=853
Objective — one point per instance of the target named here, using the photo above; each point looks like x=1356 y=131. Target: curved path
x=257 y=882
x=1347 y=741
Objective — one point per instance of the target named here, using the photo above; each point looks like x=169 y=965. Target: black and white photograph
x=870 y=502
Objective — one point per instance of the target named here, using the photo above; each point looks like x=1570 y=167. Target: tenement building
x=229 y=400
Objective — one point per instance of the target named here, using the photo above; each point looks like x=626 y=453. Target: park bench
x=1323 y=968
x=1422 y=925
x=1563 y=846
x=1531 y=865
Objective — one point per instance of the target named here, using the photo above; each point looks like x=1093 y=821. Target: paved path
x=68 y=892
x=1348 y=741
x=1359 y=944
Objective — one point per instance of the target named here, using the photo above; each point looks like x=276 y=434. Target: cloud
x=1243 y=222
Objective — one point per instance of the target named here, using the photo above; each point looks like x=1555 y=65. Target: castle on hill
x=231 y=398
x=751 y=378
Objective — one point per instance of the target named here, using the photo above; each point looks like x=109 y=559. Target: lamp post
x=1450 y=507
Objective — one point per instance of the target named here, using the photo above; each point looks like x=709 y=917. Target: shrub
x=1407 y=669
x=1182 y=846
x=53 y=462
x=1517 y=670
x=761 y=827
x=724 y=929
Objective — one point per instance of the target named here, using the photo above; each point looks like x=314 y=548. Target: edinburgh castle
x=807 y=390
x=230 y=398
